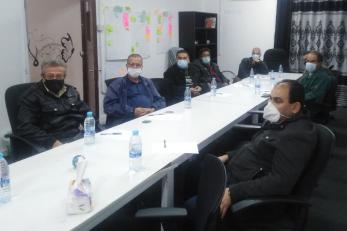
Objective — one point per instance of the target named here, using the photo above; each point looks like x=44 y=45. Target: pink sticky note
x=126 y=20
x=148 y=33
x=170 y=27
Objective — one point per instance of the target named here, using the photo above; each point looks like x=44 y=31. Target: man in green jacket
x=316 y=81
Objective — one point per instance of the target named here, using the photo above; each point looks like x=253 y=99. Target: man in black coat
x=51 y=112
x=208 y=69
x=255 y=63
x=181 y=75
x=273 y=161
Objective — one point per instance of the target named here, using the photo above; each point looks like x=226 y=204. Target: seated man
x=183 y=74
x=259 y=67
x=131 y=96
x=51 y=112
x=316 y=81
x=209 y=69
x=273 y=161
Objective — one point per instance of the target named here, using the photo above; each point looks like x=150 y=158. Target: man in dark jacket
x=131 y=96
x=272 y=162
x=51 y=112
x=209 y=69
x=181 y=75
x=259 y=67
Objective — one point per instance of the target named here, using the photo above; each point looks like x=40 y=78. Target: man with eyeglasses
x=51 y=112
x=131 y=96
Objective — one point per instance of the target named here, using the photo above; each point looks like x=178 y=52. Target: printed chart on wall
x=130 y=30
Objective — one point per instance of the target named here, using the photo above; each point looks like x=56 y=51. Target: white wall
x=157 y=63
x=13 y=58
x=48 y=21
x=243 y=25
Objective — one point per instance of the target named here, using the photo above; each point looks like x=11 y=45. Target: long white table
x=40 y=183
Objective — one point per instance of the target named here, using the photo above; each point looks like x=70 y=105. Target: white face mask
x=206 y=60
x=310 y=67
x=256 y=57
x=134 y=72
x=271 y=113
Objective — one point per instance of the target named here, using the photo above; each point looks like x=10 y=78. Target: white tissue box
x=79 y=198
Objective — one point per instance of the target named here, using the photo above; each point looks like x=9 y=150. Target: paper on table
x=165 y=117
x=159 y=148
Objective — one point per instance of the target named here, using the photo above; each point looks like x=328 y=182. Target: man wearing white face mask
x=131 y=96
x=208 y=69
x=273 y=161
x=259 y=67
x=316 y=81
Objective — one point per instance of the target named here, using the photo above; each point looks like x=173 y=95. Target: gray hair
x=52 y=63
x=134 y=56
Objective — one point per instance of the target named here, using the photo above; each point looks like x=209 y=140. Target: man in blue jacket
x=131 y=96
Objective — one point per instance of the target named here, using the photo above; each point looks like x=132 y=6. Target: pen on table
x=112 y=133
x=164 y=143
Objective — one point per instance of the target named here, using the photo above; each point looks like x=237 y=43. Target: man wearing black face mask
x=51 y=112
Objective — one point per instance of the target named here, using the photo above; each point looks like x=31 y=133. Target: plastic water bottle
x=89 y=129
x=213 y=87
x=272 y=78
x=251 y=76
x=257 y=85
x=187 y=98
x=135 y=152
x=280 y=71
x=5 y=189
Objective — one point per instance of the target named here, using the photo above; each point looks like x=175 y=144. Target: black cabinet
x=196 y=31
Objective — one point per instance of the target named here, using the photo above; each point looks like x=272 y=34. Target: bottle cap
x=90 y=114
x=135 y=132
x=2 y=155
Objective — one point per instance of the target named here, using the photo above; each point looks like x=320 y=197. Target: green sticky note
x=148 y=19
x=159 y=19
x=108 y=29
x=133 y=50
x=133 y=19
x=109 y=43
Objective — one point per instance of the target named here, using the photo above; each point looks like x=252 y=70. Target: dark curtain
x=283 y=24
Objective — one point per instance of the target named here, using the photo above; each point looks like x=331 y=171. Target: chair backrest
x=13 y=95
x=330 y=98
x=211 y=189
x=276 y=57
x=325 y=146
x=231 y=76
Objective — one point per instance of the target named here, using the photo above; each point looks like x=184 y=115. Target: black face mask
x=54 y=85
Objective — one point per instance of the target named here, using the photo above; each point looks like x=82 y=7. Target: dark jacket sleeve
x=244 y=68
x=199 y=79
x=29 y=122
x=158 y=100
x=220 y=74
x=173 y=89
x=114 y=102
x=262 y=68
x=287 y=166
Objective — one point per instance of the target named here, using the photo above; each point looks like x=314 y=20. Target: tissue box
x=79 y=199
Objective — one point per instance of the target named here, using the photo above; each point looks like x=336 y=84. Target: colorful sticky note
x=133 y=19
x=148 y=19
x=128 y=8
x=126 y=20
x=108 y=29
x=148 y=33
x=117 y=10
x=109 y=43
x=159 y=30
x=160 y=18
x=170 y=27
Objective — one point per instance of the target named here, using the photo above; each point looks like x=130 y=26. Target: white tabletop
x=40 y=183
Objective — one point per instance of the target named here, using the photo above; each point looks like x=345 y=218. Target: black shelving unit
x=193 y=35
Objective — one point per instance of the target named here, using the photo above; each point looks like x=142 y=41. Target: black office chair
x=211 y=188
x=297 y=204
x=21 y=148
x=276 y=57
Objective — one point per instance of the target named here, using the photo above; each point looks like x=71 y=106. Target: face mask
x=182 y=63
x=271 y=113
x=256 y=57
x=134 y=72
x=310 y=67
x=54 y=85
x=206 y=60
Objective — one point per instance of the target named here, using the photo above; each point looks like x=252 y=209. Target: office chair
x=276 y=57
x=211 y=189
x=297 y=204
x=231 y=76
x=21 y=148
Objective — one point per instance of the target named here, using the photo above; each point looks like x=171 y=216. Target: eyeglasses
x=50 y=76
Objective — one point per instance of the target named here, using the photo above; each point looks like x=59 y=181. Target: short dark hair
x=205 y=49
x=296 y=91
x=182 y=52
x=134 y=56
x=317 y=54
